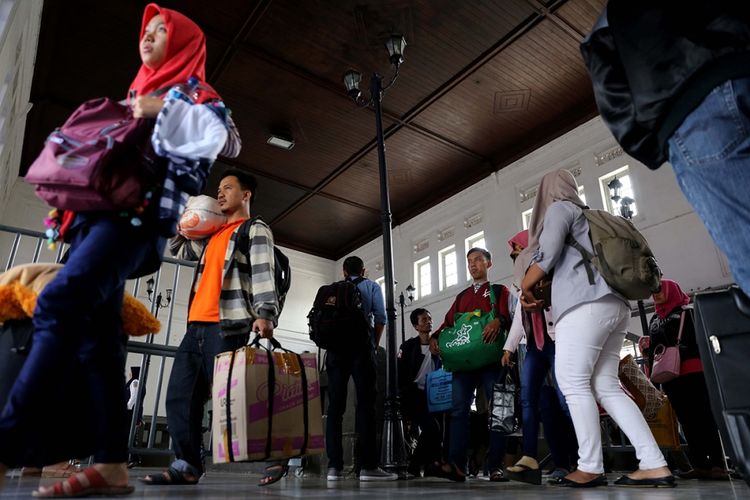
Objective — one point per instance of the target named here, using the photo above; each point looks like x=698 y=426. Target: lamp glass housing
x=395 y=45
x=410 y=292
x=614 y=186
x=352 y=79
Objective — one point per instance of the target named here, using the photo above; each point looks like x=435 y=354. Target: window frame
x=418 y=264
x=442 y=253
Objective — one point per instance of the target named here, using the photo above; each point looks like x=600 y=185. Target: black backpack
x=282 y=271
x=337 y=319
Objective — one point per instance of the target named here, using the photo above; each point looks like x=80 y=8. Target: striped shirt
x=248 y=289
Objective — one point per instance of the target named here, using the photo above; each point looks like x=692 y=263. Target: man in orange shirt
x=232 y=294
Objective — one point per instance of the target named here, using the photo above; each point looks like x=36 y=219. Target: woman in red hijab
x=687 y=393
x=69 y=399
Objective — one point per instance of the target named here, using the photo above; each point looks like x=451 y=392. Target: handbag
x=99 y=159
x=648 y=398
x=461 y=345
x=505 y=403
x=666 y=364
x=439 y=389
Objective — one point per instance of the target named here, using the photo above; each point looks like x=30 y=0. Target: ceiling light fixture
x=281 y=141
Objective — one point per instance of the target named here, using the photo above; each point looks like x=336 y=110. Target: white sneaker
x=376 y=474
x=334 y=474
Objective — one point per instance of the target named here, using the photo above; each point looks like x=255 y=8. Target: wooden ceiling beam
x=281 y=180
x=338 y=91
x=250 y=22
x=413 y=113
x=549 y=11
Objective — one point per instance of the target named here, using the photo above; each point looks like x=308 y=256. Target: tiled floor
x=242 y=485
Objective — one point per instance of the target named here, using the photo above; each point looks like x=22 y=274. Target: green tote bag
x=461 y=346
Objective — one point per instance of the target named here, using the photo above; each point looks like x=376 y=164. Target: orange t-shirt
x=205 y=304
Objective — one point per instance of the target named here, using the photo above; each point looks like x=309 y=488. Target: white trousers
x=588 y=343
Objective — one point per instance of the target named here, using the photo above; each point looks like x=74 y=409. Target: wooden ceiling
x=484 y=82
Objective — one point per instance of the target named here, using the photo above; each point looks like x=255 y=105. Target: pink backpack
x=95 y=161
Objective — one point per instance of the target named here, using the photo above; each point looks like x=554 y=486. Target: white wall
x=19 y=30
x=682 y=245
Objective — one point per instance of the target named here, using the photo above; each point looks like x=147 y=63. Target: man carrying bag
x=470 y=343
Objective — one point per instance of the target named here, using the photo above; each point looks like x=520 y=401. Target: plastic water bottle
x=187 y=92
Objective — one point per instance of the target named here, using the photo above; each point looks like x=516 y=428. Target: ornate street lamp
x=393 y=456
x=402 y=302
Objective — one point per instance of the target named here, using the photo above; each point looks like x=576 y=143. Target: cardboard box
x=248 y=400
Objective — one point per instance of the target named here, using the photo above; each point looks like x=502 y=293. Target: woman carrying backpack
x=687 y=392
x=591 y=320
x=77 y=318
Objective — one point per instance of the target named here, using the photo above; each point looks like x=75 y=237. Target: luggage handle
x=275 y=344
x=741 y=300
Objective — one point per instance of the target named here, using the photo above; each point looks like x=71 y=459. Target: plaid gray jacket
x=248 y=290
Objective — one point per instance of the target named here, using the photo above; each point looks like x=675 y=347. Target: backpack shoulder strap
x=243 y=238
x=588 y=257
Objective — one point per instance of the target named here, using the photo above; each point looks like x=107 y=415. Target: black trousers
x=359 y=365
x=689 y=397
x=430 y=442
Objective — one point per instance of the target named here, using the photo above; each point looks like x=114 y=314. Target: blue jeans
x=710 y=154
x=360 y=366
x=464 y=385
x=69 y=399
x=190 y=387
x=537 y=365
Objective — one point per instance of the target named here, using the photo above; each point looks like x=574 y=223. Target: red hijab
x=521 y=238
x=674 y=296
x=185 y=57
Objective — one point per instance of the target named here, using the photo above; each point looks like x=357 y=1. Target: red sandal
x=97 y=485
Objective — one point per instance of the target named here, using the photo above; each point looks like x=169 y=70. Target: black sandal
x=273 y=474
x=497 y=476
x=173 y=477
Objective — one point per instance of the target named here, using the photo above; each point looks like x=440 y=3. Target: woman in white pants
x=590 y=327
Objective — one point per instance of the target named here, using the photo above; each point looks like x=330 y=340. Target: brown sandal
x=97 y=485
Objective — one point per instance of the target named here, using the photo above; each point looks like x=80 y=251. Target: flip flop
x=174 y=477
x=97 y=485
x=273 y=474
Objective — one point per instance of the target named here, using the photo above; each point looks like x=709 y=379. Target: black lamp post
x=626 y=212
x=402 y=302
x=393 y=456
x=156 y=304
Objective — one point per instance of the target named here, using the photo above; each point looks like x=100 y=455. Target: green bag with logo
x=461 y=346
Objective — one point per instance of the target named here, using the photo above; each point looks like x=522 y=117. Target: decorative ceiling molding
x=607 y=156
x=473 y=220
x=512 y=100
x=446 y=234
x=400 y=176
x=574 y=169
x=528 y=194
x=421 y=246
